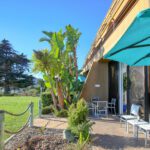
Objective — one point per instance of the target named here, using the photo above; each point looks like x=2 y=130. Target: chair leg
x=107 y=113
x=110 y=109
x=120 y=122
x=127 y=127
x=137 y=133
x=146 y=139
x=134 y=131
x=115 y=111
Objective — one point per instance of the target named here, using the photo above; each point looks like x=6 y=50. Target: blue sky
x=22 y=21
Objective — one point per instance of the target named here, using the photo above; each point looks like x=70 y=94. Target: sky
x=22 y=22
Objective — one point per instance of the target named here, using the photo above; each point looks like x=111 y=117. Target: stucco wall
x=97 y=75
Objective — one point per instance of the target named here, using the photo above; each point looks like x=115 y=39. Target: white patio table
x=98 y=104
x=134 y=124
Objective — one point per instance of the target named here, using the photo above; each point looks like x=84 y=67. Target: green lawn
x=17 y=104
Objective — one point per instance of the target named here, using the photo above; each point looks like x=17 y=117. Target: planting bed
x=37 y=139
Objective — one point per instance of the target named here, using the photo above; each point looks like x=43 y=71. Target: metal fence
x=29 y=122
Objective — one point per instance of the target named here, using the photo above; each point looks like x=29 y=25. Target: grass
x=17 y=104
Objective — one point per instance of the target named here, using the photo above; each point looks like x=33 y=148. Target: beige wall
x=97 y=75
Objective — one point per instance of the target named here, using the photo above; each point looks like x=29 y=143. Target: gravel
x=37 y=139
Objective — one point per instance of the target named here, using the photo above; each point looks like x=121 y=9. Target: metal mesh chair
x=92 y=107
x=96 y=98
x=102 y=108
x=112 y=105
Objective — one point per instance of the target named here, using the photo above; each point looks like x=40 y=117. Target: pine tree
x=12 y=68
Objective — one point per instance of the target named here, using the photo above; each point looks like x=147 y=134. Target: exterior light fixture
x=97 y=85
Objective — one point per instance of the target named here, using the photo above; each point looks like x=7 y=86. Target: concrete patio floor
x=107 y=133
x=51 y=122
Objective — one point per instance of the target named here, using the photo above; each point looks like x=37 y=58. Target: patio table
x=134 y=124
x=146 y=129
x=97 y=105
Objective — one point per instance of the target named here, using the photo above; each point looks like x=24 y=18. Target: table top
x=99 y=101
x=137 y=122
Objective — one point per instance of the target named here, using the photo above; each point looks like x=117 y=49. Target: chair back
x=102 y=105
x=96 y=98
x=113 y=101
x=135 y=109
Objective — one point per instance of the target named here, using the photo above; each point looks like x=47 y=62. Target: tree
x=43 y=63
x=73 y=36
x=12 y=68
x=59 y=64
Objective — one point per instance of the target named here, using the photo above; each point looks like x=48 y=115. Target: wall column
x=146 y=100
x=128 y=90
x=120 y=89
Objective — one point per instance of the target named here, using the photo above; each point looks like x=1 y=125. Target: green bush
x=46 y=99
x=46 y=110
x=77 y=120
x=9 y=94
x=78 y=114
x=60 y=113
x=32 y=92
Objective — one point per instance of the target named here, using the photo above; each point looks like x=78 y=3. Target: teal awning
x=134 y=46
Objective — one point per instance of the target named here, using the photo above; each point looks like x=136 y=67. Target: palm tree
x=44 y=64
x=59 y=64
x=73 y=36
x=56 y=41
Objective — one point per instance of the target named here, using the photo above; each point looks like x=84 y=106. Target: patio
x=107 y=133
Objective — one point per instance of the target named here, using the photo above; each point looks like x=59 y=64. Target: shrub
x=78 y=114
x=32 y=92
x=46 y=110
x=60 y=113
x=9 y=94
x=77 y=121
x=46 y=99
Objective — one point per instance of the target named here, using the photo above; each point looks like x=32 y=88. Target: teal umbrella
x=134 y=46
x=81 y=78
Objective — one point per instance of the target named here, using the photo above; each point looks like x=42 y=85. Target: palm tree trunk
x=75 y=62
x=53 y=98
x=60 y=95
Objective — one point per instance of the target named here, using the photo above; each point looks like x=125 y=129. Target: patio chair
x=145 y=128
x=95 y=98
x=112 y=105
x=134 y=114
x=91 y=107
x=102 y=109
x=135 y=123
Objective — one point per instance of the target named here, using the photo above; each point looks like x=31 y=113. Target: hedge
x=46 y=99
